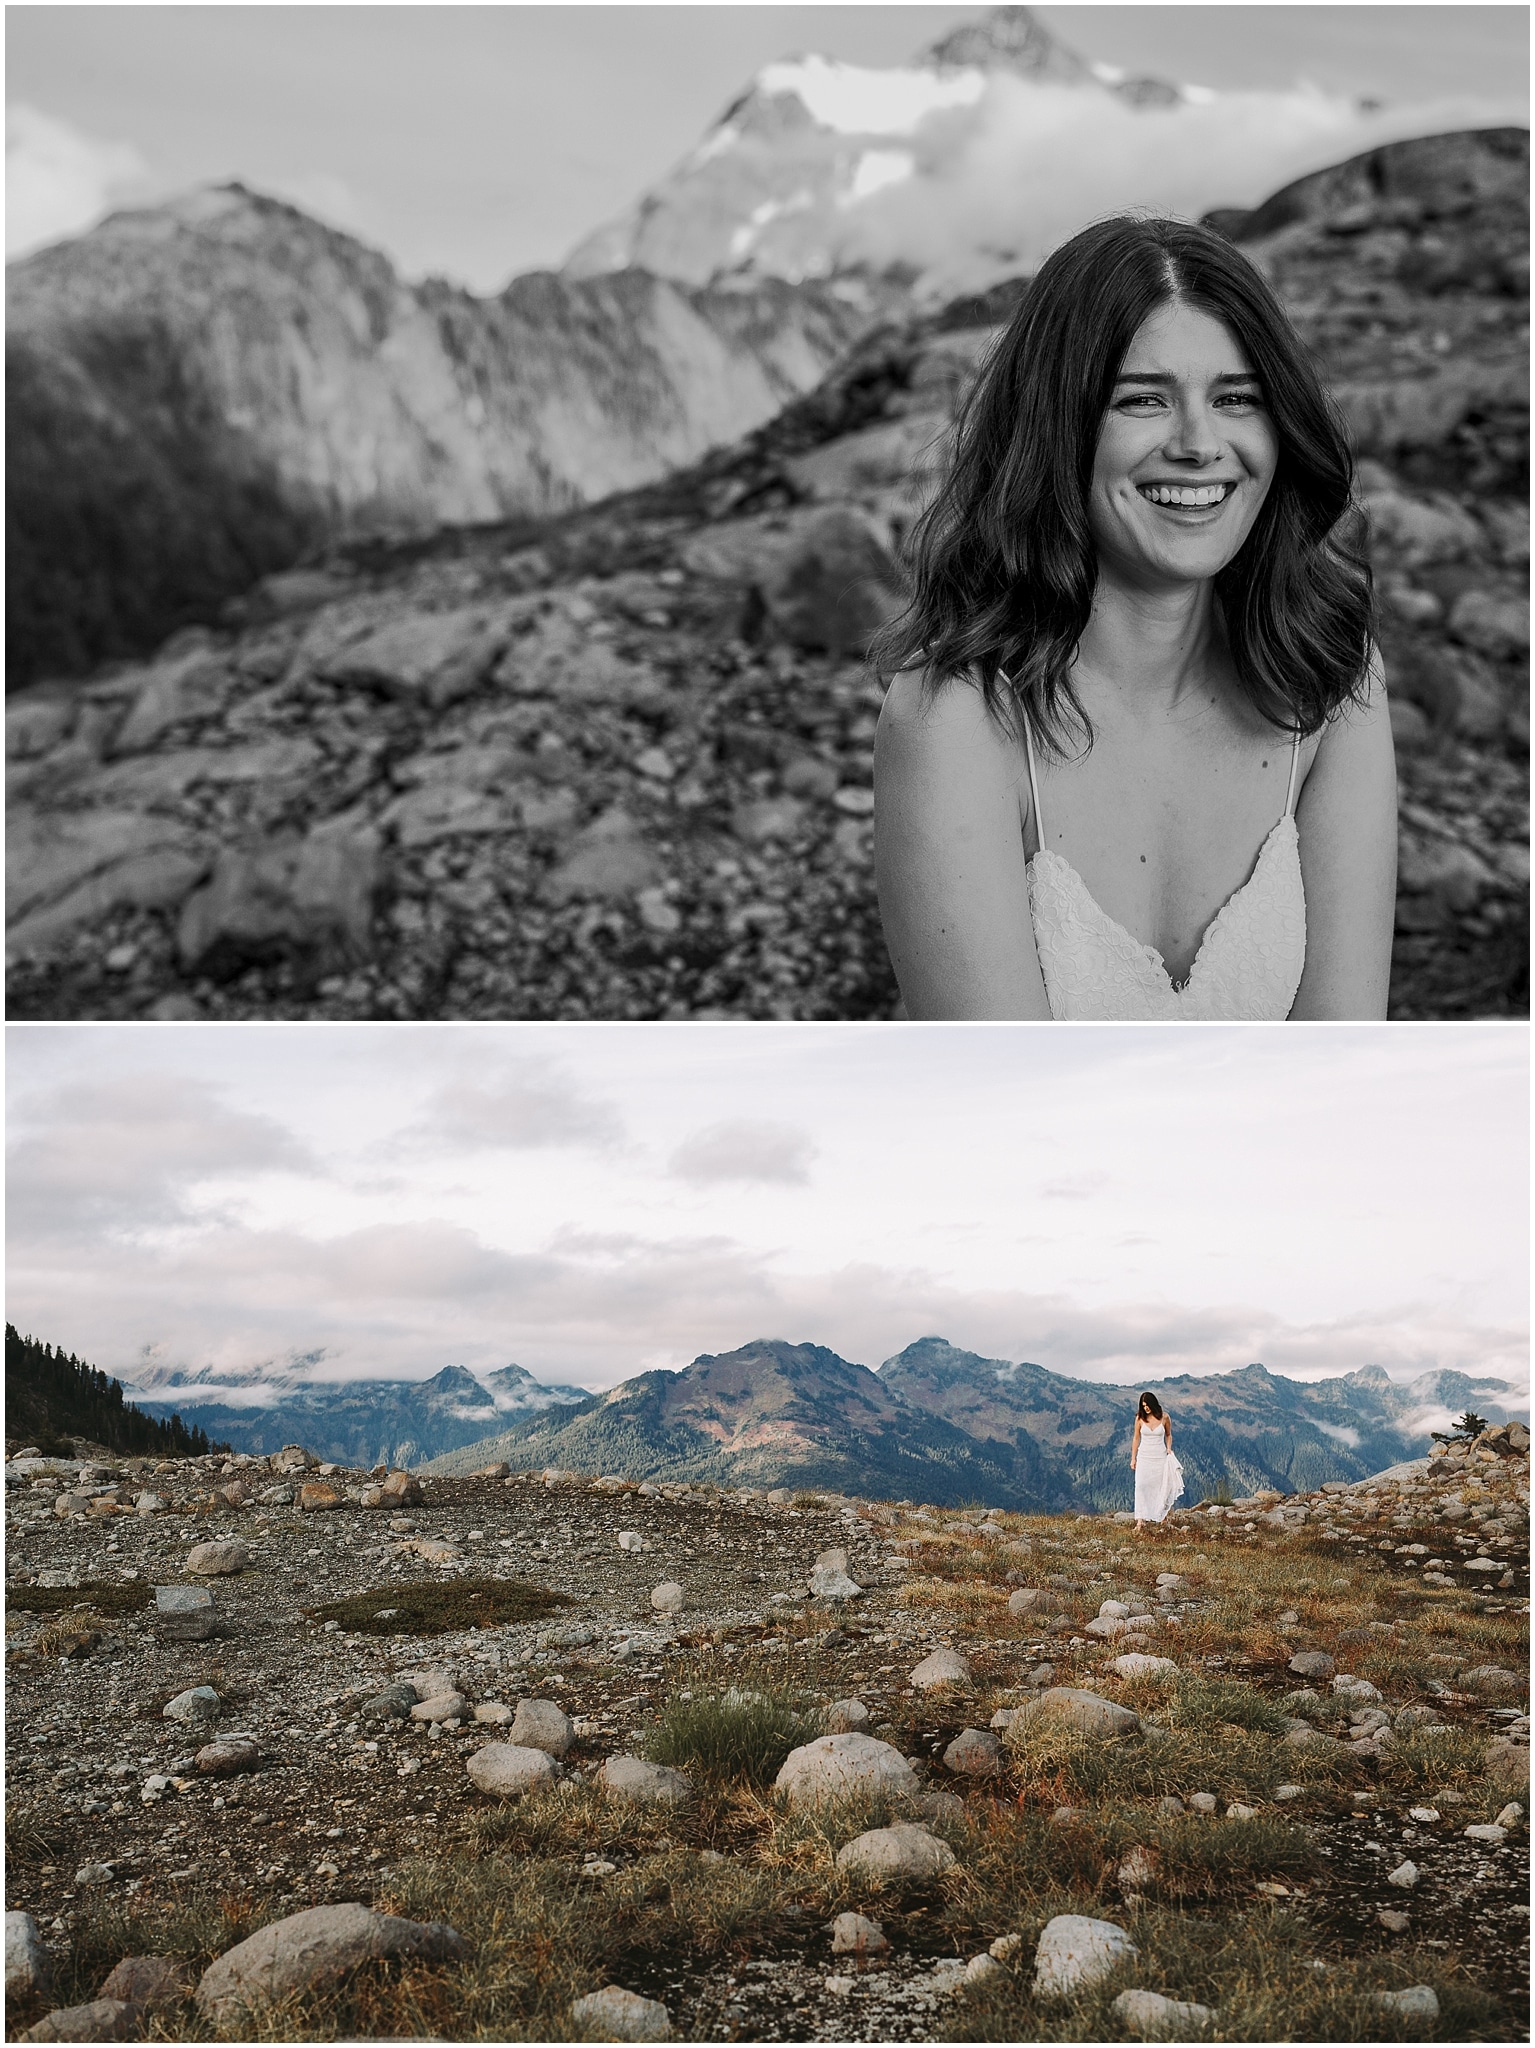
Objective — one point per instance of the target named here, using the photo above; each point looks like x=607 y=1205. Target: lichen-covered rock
x=976 y=1753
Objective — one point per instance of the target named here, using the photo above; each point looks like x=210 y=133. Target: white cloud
x=1341 y=1433
x=524 y=1107
x=745 y=1151
x=1074 y=1187
x=59 y=181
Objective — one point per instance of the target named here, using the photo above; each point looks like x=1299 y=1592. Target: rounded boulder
x=503 y=1770
x=838 y=1766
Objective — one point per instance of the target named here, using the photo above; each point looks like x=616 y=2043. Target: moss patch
x=431 y=1607
x=96 y=1596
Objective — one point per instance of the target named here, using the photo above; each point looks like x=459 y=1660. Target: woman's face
x=1186 y=454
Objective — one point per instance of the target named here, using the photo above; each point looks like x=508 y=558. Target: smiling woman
x=1135 y=761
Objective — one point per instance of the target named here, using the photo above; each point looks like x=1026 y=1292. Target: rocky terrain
x=781 y=1766
x=199 y=391
x=620 y=766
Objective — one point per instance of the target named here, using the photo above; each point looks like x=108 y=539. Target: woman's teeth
x=1185 y=494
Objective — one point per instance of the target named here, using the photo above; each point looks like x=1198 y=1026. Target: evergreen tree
x=50 y=1397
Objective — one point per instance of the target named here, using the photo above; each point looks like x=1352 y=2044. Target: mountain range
x=934 y=1423
x=355 y=1422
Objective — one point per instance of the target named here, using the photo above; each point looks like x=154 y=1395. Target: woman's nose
x=1194 y=437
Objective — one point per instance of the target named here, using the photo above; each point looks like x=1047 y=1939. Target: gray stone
x=847 y=1717
x=183 y=1600
x=1151 y=2017
x=217 y=1560
x=630 y=1777
x=827 y=1583
x=852 y=1934
x=668 y=1598
x=541 y=1724
x=905 y=1850
x=1417 y=2002
x=1076 y=1953
x=310 y=900
x=1495 y=1681
x=842 y=1766
x=316 y=1948
x=983 y=1970
x=975 y=1752
x=1136 y=1664
x=198 y=1703
x=1088 y=1711
x=436 y=657
x=608 y=859
x=505 y=1770
x=443 y=1706
x=149 y=1980
x=1312 y=1664
x=103 y=2019
x=1202 y=1802
x=943 y=1667
x=28 y=1967
x=615 y=2015
x=394 y=1703
x=228 y=1757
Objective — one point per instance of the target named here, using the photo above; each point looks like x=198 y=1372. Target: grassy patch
x=109 y=1599
x=431 y=1607
x=742 y=1733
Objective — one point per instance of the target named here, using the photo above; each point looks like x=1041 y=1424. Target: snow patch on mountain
x=854 y=100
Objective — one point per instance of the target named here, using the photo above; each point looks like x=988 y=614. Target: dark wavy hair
x=1149 y=1401
x=1003 y=559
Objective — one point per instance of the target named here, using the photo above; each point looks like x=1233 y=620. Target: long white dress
x=1158 y=1475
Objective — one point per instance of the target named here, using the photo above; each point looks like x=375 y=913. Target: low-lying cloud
x=58 y=180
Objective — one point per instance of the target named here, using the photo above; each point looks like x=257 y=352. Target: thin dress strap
x=1039 y=823
x=1289 y=801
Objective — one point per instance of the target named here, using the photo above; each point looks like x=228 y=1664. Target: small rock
x=1202 y=1802
x=1006 y=1947
x=103 y=2019
x=842 y=1766
x=1488 y=1832
x=504 y=1770
x=614 y=2015
x=847 y=1717
x=1002 y=1719
x=217 y=1560
x=1088 y=1711
x=905 y=1850
x=198 y=1703
x=316 y=1494
x=401 y=1490
x=28 y=1967
x=93 y=1874
x=1236 y=1811
x=311 y=1949
x=1392 y=1920
x=445 y=1706
x=1135 y=1664
x=827 y=1583
x=1289 y=1791
x=1509 y=1817
x=975 y=1752
x=149 y=1980
x=631 y=1539
x=852 y=1934
x=1138 y=1870
x=226 y=1758
x=394 y=1703
x=492 y=1714
x=667 y=1598
x=943 y=1667
x=1312 y=1664
x=1076 y=1953
x=541 y=1724
x=647 y=1784
x=981 y=1970
x=1417 y=2002
x=1404 y=1877
x=1151 y=2017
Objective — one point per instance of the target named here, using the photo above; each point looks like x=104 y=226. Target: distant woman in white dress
x=1158 y=1475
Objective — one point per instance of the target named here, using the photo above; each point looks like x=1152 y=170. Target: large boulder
x=1076 y=1953
x=148 y=1980
x=1070 y=1706
x=503 y=1770
x=824 y=574
x=307 y=899
x=885 y=1855
x=319 y=1947
x=842 y=1766
x=102 y=2019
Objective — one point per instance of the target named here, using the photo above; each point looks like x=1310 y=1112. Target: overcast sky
x=592 y=1201
x=479 y=142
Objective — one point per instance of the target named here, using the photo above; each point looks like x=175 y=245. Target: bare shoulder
x=939 y=727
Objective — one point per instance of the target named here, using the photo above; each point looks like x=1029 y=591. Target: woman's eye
x=1142 y=398
x=1242 y=398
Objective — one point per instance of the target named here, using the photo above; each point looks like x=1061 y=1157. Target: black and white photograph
x=647 y=513
x=767 y=1533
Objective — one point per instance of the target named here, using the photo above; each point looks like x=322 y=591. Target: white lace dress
x=1158 y=1475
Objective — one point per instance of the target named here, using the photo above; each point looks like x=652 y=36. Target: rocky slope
x=620 y=766
x=358 y=1422
x=196 y=391
x=778 y=185
x=1282 y=1745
